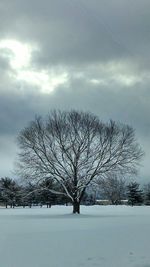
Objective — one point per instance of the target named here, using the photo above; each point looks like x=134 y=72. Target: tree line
x=118 y=190
x=13 y=194
x=113 y=189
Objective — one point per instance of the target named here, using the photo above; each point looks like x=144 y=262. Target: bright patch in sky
x=47 y=81
x=121 y=73
x=19 y=56
x=127 y=80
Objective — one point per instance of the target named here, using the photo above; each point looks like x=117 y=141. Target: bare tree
x=112 y=187
x=74 y=148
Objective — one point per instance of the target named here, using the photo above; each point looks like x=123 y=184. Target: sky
x=74 y=54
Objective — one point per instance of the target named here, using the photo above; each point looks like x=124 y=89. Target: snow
x=102 y=236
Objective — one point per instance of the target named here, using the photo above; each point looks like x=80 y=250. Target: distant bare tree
x=74 y=148
x=112 y=187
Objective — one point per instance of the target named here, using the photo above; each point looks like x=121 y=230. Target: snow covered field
x=104 y=236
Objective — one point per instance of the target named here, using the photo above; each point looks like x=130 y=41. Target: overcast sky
x=91 y=55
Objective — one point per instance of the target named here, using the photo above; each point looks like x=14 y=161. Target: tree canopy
x=74 y=148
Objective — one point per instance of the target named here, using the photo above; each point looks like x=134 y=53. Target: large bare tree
x=74 y=148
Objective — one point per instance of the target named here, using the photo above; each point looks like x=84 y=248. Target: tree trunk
x=76 y=207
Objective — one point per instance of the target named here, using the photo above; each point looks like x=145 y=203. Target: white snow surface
x=102 y=236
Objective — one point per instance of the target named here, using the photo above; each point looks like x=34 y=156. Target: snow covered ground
x=102 y=236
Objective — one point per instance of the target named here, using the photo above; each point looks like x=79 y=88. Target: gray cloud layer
x=103 y=46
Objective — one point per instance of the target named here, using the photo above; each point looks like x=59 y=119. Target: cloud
x=79 y=31
x=87 y=55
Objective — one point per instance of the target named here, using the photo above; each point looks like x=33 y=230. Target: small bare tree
x=74 y=148
x=113 y=187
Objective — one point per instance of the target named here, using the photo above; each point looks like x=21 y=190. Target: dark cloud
x=103 y=46
x=80 y=31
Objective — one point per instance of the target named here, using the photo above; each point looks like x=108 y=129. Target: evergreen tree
x=134 y=194
x=147 y=194
x=10 y=192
